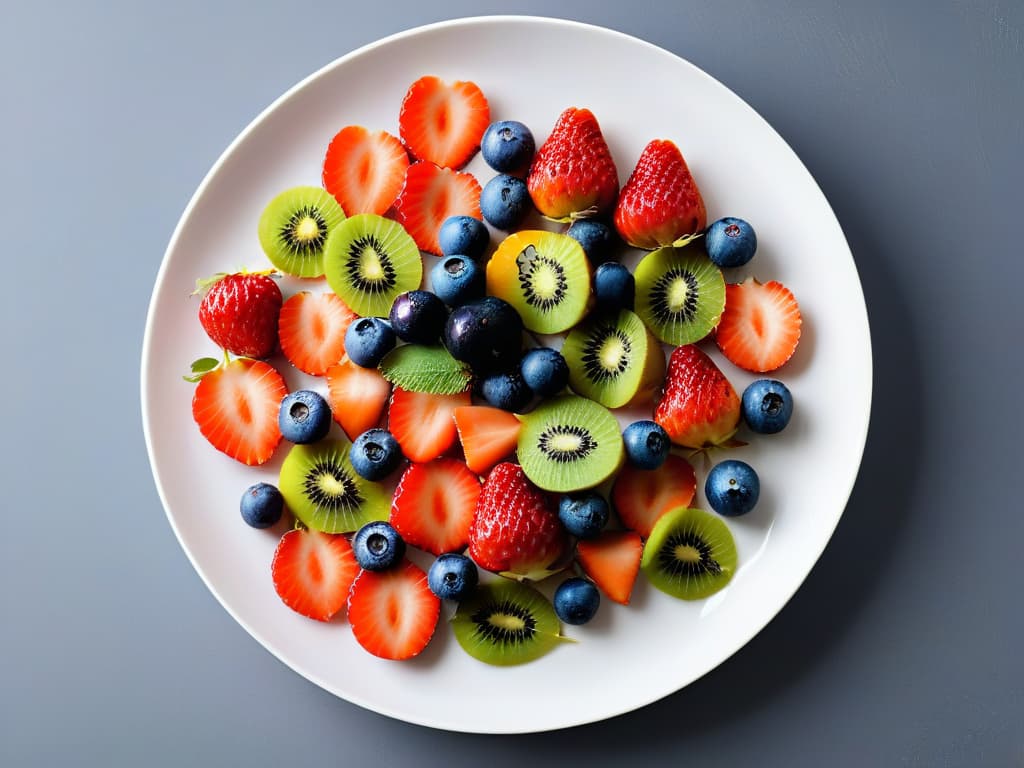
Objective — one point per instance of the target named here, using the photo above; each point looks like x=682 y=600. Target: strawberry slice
x=422 y=423
x=488 y=435
x=641 y=496
x=364 y=169
x=443 y=122
x=236 y=405
x=312 y=330
x=313 y=572
x=429 y=196
x=612 y=560
x=393 y=613
x=760 y=326
x=357 y=396
x=433 y=505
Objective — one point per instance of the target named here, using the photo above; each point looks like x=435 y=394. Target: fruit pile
x=481 y=402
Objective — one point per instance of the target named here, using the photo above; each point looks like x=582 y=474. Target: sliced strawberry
x=313 y=572
x=760 y=326
x=422 y=422
x=433 y=505
x=429 y=196
x=393 y=613
x=488 y=435
x=364 y=169
x=641 y=496
x=612 y=560
x=312 y=330
x=357 y=396
x=443 y=122
x=236 y=406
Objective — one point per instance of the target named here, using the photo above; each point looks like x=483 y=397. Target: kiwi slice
x=680 y=294
x=506 y=623
x=294 y=228
x=614 y=359
x=545 y=276
x=690 y=554
x=569 y=443
x=369 y=260
x=322 y=490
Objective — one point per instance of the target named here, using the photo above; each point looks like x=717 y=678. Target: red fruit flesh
x=429 y=196
x=642 y=496
x=488 y=435
x=312 y=330
x=443 y=122
x=612 y=560
x=357 y=396
x=364 y=170
x=434 y=503
x=313 y=572
x=393 y=613
x=760 y=327
x=239 y=313
x=422 y=423
x=699 y=407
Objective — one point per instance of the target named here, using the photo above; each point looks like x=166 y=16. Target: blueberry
x=368 y=339
x=614 y=287
x=576 y=600
x=545 y=371
x=452 y=577
x=375 y=454
x=507 y=391
x=767 y=406
x=304 y=417
x=595 y=237
x=262 y=505
x=730 y=242
x=646 y=444
x=507 y=146
x=487 y=334
x=464 y=235
x=377 y=546
x=732 y=488
x=504 y=202
x=457 y=280
x=584 y=515
x=418 y=317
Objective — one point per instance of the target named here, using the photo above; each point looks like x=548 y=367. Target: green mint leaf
x=417 y=368
x=201 y=367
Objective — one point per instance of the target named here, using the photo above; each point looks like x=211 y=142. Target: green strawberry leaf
x=417 y=368
x=201 y=367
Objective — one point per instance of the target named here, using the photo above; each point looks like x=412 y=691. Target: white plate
x=530 y=69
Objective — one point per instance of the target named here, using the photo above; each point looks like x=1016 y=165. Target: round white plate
x=628 y=656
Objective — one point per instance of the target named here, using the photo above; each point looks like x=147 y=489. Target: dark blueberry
x=584 y=514
x=457 y=280
x=465 y=236
x=377 y=546
x=368 y=339
x=730 y=242
x=375 y=454
x=545 y=371
x=732 y=488
x=504 y=202
x=576 y=600
x=767 y=406
x=418 y=317
x=452 y=577
x=487 y=334
x=262 y=505
x=304 y=417
x=507 y=391
x=614 y=287
x=595 y=237
x=508 y=146
x=646 y=444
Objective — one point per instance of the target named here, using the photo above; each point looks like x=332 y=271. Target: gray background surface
x=902 y=648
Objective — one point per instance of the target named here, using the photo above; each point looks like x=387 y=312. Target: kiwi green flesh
x=369 y=260
x=607 y=356
x=569 y=443
x=322 y=489
x=295 y=227
x=680 y=294
x=506 y=623
x=690 y=554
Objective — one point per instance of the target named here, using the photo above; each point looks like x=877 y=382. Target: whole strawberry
x=240 y=312
x=699 y=407
x=515 y=529
x=573 y=174
x=660 y=203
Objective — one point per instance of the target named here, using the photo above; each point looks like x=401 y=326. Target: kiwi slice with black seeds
x=690 y=554
x=369 y=260
x=506 y=623
x=680 y=294
x=570 y=443
x=294 y=228
x=322 y=489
